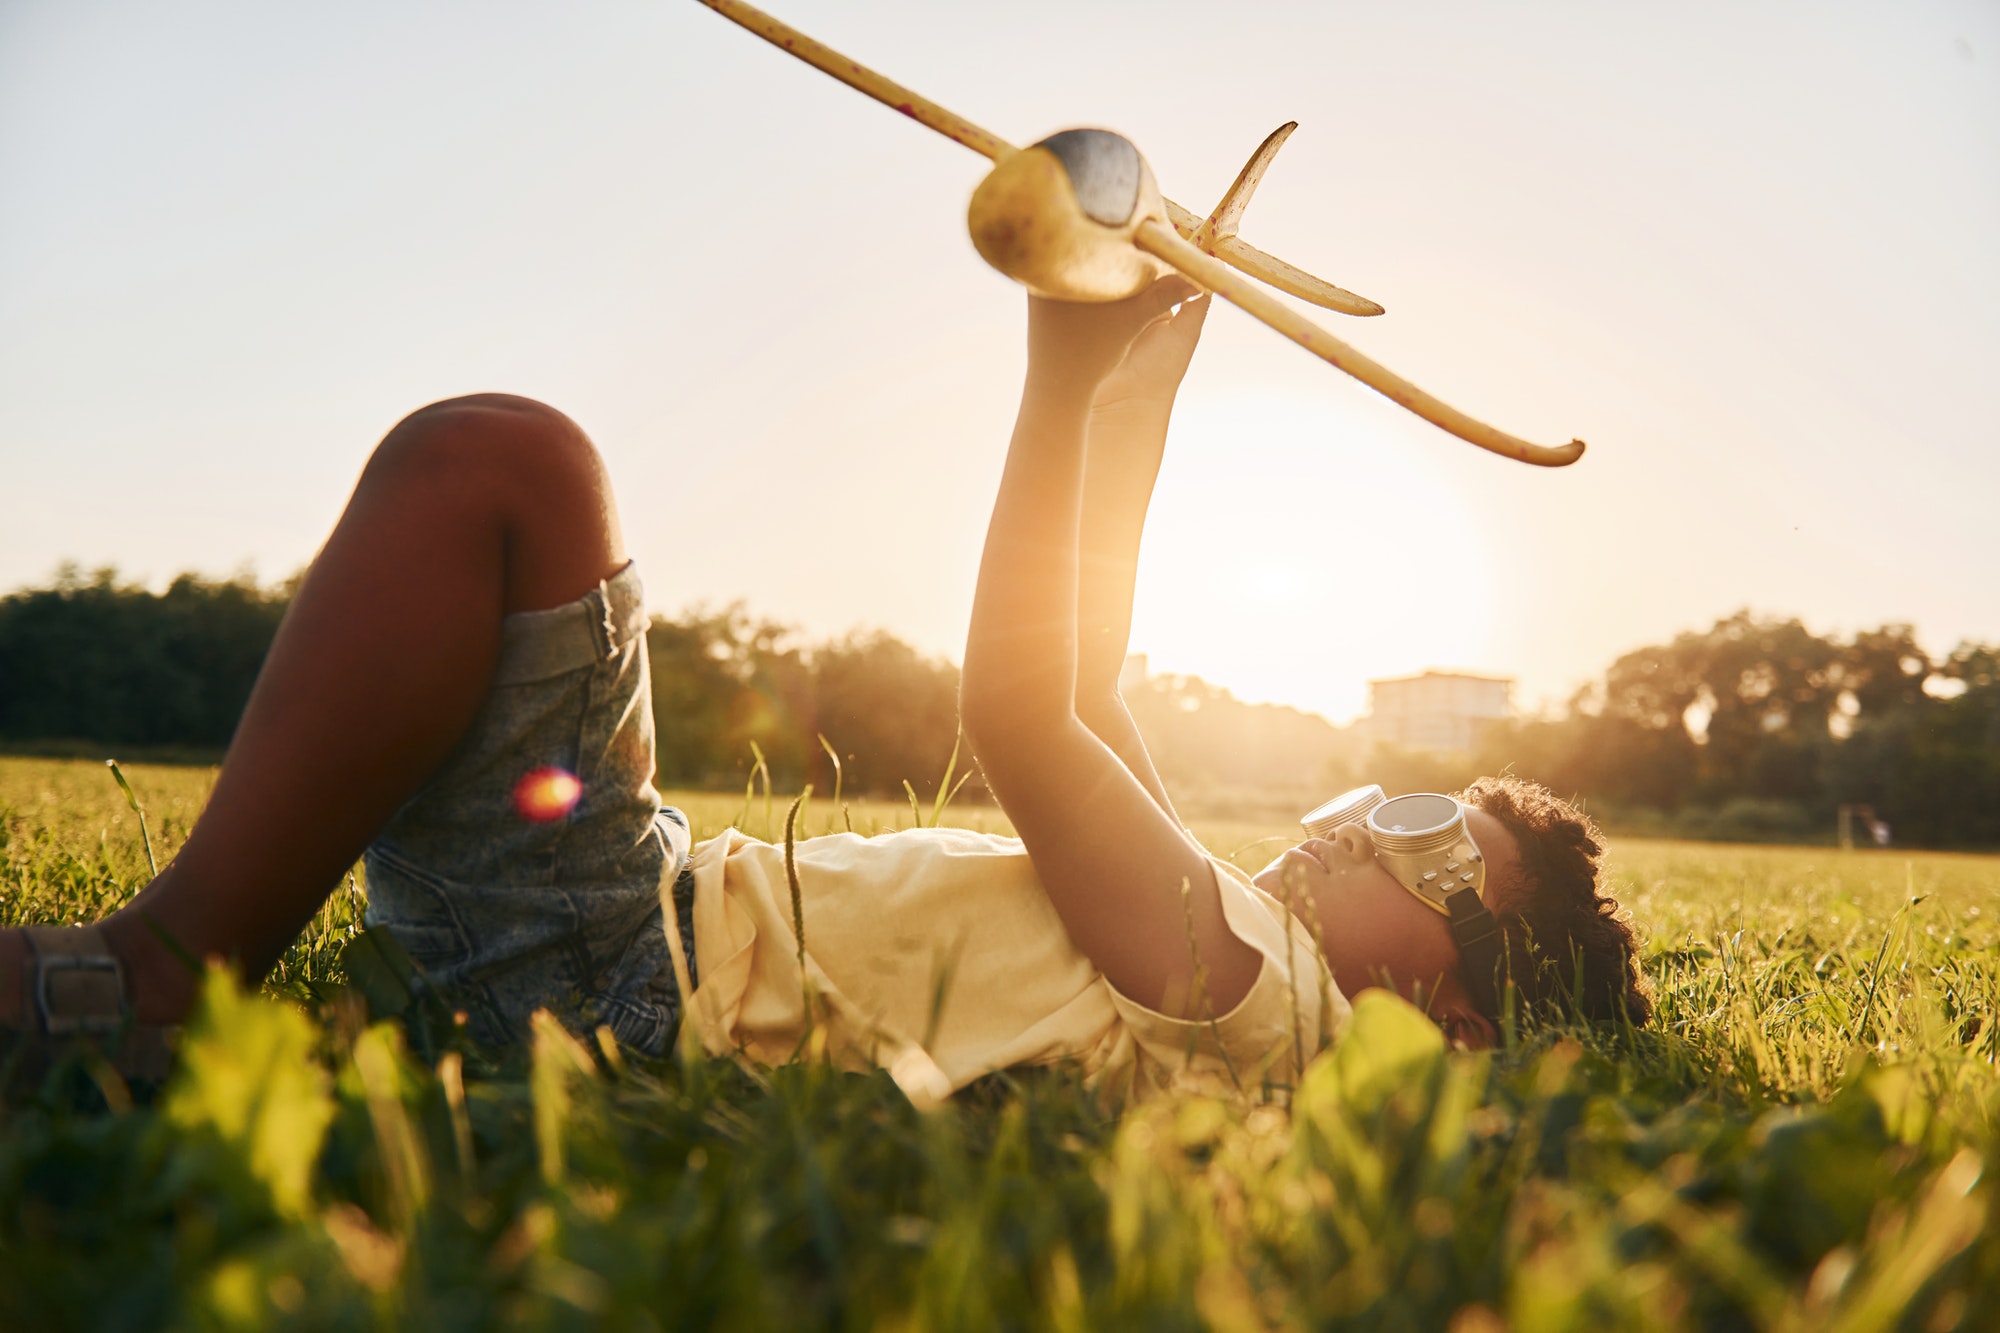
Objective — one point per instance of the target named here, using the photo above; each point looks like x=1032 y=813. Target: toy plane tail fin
x=1228 y=214
x=1216 y=235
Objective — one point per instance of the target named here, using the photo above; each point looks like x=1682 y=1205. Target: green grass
x=1805 y=1140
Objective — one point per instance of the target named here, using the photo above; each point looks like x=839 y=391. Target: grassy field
x=1805 y=1140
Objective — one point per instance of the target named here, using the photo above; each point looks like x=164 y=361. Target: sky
x=1750 y=253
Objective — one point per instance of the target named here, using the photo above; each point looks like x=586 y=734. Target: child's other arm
x=1127 y=436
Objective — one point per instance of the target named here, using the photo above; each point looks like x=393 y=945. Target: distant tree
x=1930 y=765
x=1882 y=670
x=93 y=659
x=1763 y=718
x=1592 y=754
x=890 y=713
x=722 y=680
x=1204 y=739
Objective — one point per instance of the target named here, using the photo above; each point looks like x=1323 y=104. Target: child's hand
x=1120 y=352
x=1151 y=372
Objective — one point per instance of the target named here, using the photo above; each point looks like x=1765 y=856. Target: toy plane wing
x=1217 y=236
x=1207 y=250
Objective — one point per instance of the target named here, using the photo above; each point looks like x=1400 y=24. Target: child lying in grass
x=473 y=619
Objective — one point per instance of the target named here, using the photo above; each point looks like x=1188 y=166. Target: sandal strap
x=76 y=985
x=75 y=988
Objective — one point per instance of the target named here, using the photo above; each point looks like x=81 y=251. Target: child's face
x=1375 y=931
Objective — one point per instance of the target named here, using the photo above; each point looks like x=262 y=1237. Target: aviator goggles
x=1424 y=843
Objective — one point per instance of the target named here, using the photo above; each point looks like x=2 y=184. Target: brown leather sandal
x=73 y=999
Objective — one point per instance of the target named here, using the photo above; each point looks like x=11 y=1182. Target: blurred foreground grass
x=1805 y=1140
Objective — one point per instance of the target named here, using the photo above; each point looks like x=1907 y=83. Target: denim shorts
x=506 y=914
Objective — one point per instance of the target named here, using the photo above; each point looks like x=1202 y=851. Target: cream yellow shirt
x=936 y=954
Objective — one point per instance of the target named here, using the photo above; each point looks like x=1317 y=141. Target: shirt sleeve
x=1291 y=1012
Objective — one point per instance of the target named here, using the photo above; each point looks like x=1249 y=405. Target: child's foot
x=64 y=991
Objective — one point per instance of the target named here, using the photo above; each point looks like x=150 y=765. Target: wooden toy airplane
x=1078 y=216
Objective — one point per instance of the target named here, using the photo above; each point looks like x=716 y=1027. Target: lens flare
x=545 y=794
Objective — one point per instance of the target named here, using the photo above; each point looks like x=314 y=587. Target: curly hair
x=1569 y=947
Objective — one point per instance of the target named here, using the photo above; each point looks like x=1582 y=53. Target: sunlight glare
x=1299 y=546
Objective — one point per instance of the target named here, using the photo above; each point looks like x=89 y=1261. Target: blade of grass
x=1289 y=883
x=181 y=953
x=941 y=978
x=451 y=1076
x=765 y=770
x=132 y=799
x=945 y=789
x=1198 y=983
x=832 y=755
x=963 y=778
x=798 y=899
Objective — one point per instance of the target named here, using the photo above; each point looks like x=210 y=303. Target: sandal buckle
x=99 y=1024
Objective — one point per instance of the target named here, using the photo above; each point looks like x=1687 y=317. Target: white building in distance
x=1436 y=710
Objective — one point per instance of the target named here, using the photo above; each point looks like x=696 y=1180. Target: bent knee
x=490 y=409
x=487 y=420
x=501 y=439
x=512 y=468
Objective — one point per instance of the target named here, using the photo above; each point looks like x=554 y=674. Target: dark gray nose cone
x=1103 y=170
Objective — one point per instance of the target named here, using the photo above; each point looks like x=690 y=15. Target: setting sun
x=1295 y=552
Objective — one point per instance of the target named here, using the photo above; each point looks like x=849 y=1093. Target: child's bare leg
x=468 y=511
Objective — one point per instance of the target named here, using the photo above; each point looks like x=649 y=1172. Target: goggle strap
x=1477 y=935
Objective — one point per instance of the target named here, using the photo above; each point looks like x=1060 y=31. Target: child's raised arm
x=1114 y=860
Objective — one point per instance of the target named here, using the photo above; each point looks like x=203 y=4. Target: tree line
x=1754 y=728
x=91 y=660
x=1759 y=727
